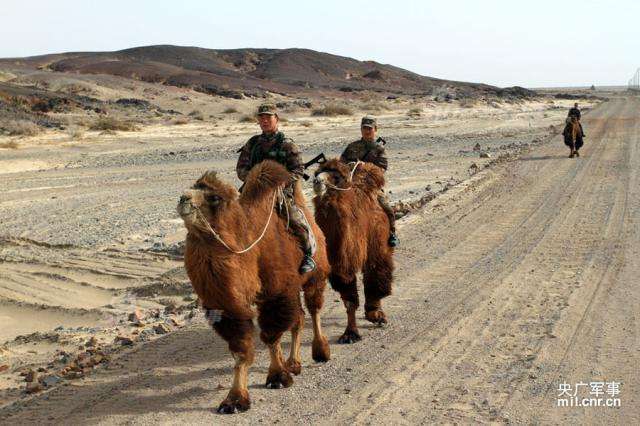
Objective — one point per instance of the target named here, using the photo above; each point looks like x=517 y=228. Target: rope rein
x=337 y=188
x=252 y=245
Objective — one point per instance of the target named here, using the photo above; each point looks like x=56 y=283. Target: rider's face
x=368 y=133
x=268 y=123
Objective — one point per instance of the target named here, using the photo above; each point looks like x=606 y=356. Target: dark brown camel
x=357 y=231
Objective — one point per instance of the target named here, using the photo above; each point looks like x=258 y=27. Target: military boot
x=308 y=264
x=393 y=241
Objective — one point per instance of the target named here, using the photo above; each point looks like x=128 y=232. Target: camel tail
x=265 y=177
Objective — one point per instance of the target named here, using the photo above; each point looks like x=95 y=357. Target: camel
x=357 y=231
x=573 y=136
x=239 y=255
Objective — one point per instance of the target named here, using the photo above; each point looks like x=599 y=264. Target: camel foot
x=377 y=317
x=349 y=336
x=571 y=155
x=577 y=154
x=320 y=351
x=294 y=367
x=279 y=380
x=234 y=404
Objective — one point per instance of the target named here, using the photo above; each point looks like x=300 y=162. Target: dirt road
x=523 y=278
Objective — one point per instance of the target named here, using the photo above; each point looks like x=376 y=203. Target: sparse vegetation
x=75 y=132
x=306 y=123
x=332 y=110
x=196 y=115
x=414 y=112
x=230 y=110
x=180 y=121
x=375 y=107
x=9 y=145
x=113 y=124
x=247 y=119
x=20 y=128
x=467 y=103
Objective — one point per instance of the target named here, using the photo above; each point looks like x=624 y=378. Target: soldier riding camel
x=575 y=112
x=371 y=150
x=272 y=144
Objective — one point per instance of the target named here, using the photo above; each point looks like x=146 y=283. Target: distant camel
x=238 y=254
x=573 y=136
x=357 y=231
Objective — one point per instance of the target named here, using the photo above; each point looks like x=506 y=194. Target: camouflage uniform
x=279 y=148
x=371 y=152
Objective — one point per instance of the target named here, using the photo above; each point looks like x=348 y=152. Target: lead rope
x=332 y=186
x=221 y=241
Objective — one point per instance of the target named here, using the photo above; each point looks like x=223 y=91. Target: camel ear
x=210 y=176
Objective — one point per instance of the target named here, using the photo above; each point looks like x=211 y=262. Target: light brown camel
x=357 y=230
x=229 y=283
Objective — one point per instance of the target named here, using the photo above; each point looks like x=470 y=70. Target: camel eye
x=213 y=199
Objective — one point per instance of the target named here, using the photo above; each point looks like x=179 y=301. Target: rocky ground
x=91 y=283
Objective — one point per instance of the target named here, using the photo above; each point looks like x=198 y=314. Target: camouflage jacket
x=275 y=147
x=369 y=152
x=574 y=112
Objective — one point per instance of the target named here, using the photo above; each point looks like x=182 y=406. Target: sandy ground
x=515 y=279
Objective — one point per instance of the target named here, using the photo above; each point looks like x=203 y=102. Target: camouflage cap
x=369 y=121
x=269 y=109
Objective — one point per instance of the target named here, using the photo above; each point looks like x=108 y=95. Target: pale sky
x=532 y=44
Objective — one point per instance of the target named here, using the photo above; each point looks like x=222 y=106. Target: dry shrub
x=375 y=107
x=20 y=128
x=306 y=123
x=247 y=119
x=467 y=103
x=180 y=121
x=113 y=124
x=229 y=110
x=9 y=145
x=196 y=115
x=332 y=110
x=75 y=132
x=414 y=112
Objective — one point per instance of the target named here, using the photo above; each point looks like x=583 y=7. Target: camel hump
x=265 y=176
x=369 y=177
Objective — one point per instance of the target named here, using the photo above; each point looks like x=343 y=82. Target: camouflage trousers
x=297 y=222
x=384 y=203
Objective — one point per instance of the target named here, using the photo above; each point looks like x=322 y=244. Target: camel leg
x=277 y=314
x=313 y=298
x=239 y=336
x=377 y=277
x=294 y=364
x=278 y=376
x=349 y=294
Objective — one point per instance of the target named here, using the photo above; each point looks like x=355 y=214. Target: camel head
x=330 y=175
x=204 y=201
x=366 y=177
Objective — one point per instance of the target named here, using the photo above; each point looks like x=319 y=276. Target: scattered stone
x=160 y=329
x=136 y=317
x=33 y=387
x=485 y=155
x=124 y=341
x=3 y=368
x=49 y=381
x=91 y=342
x=477 y=147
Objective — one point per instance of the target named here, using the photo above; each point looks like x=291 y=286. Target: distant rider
x=575 y=112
